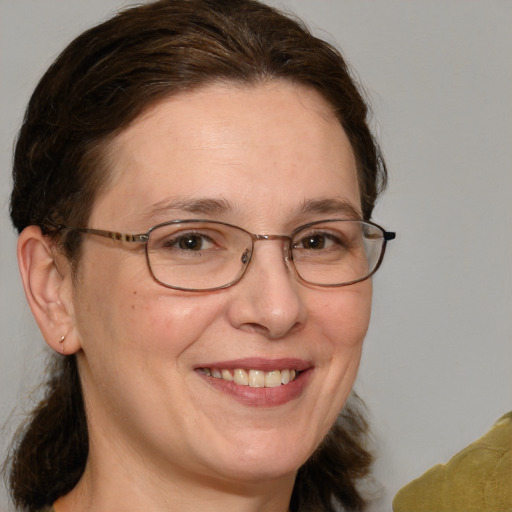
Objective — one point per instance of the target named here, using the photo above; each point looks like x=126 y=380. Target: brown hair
x=100 y=83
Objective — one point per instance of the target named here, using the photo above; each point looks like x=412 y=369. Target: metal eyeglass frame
x=143 y=238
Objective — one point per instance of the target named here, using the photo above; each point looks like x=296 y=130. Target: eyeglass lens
x=209 y=255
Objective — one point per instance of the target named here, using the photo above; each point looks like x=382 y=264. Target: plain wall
x=436 y=370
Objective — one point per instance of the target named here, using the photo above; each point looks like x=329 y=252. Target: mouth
x=253 y=378
x=258 y=381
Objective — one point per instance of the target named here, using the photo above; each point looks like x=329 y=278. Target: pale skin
x=161 y=437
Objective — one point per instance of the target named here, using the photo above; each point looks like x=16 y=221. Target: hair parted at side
x=101 y=83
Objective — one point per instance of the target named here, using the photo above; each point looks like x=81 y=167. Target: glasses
x=201 y=255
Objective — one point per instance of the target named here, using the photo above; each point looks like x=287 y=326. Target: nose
x=268 y=300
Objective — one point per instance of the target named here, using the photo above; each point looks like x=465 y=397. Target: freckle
x=134 y=292
x=133 y=306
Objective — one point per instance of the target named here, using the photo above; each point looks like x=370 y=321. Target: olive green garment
x=477 y=479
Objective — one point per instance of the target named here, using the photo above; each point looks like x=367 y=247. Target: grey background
x=436 y=370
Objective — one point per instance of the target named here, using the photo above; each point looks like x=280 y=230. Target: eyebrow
x=207 y=206
x=331 y=206
x=210 y=206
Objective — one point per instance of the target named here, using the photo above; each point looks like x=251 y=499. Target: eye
x=317 y=241
x=193 y=242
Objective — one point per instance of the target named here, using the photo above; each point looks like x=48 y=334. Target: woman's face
x=269 y=159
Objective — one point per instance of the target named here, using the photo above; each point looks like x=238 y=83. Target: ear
x=48 y=284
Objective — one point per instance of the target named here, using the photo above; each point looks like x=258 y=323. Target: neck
x=121 y=483
x=85 y=498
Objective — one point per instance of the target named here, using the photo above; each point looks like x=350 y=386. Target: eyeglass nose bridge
x=270 y=237
x=288 y=257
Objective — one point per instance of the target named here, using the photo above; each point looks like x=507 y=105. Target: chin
x=270 y=470
x=265 y=459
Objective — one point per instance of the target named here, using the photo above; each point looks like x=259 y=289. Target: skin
x=160 y=434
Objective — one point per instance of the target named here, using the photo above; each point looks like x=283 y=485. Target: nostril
x=256 y=328
x=272 y=332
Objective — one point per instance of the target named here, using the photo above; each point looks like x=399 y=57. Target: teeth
x=241 y=377
x=256 y=379
x=253 y=378
x=226 y=375
x=273 y=379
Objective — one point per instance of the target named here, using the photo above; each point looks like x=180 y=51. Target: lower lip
x=261 y=397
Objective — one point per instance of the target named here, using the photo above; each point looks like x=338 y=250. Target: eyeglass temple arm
x=114 y=235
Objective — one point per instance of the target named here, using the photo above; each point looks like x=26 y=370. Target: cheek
x=160 y=321
x=343 y=319
x=344 y=315
x=136 y=345
x=118 y=303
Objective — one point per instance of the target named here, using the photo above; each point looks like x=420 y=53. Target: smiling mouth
x=253 y=378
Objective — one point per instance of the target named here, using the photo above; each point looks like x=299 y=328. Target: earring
x=61 y=343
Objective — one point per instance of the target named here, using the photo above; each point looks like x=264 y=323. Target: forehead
x=264 y=146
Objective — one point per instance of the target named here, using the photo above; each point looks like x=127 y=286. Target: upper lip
x=263 y=364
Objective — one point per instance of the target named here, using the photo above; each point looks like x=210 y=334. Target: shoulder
x=475 y=479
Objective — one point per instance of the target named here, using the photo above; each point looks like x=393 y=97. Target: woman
x=193 y=186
